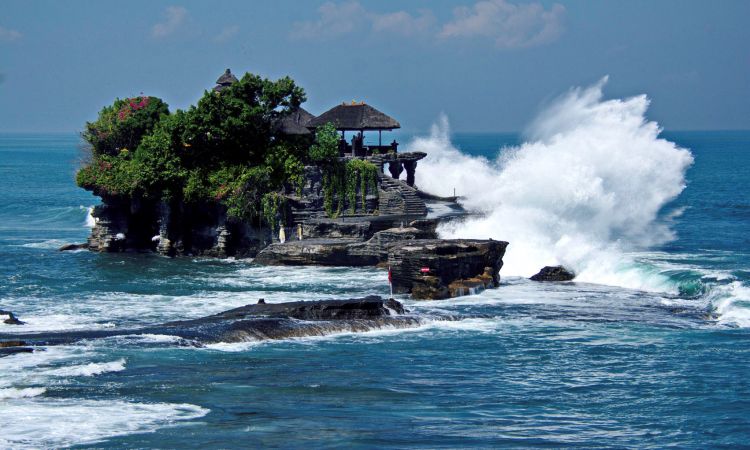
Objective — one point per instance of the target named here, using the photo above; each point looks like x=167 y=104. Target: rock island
x=247 y=172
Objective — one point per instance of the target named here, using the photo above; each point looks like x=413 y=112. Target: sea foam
x=589 y=184
x=52 y=423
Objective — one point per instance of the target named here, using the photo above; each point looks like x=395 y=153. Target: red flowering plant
x=123 y=124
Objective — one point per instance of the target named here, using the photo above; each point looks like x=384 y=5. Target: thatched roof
x=355 y=116
x=295 y=122
x=225 y=80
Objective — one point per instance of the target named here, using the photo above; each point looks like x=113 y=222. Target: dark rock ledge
x=424 y=268
x=249 y=323
x=553 y=273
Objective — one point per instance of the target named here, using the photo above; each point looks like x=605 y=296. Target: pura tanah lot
x=361 y=224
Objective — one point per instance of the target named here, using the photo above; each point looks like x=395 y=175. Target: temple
x=394 y=196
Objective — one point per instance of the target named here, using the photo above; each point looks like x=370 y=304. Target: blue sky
x=490 y=65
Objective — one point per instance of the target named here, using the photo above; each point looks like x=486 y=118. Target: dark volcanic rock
x=8 y=348
x=435 y=269
x=321 y=252
x=553 y=273
x=369 y=307
x=13 y=350
x=12 y=319
x=333 y=228
x=456 y=267
x=262 y=322
x=69 y=247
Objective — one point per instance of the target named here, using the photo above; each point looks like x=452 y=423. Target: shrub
x=123 y=124
x=325 y=150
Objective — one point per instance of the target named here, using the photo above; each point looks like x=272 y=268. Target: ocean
x=649 y=348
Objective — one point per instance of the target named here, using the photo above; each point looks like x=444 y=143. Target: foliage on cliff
x=223 y=149
x=341 y=181
x=121 y=125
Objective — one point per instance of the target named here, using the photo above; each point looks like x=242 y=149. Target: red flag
x=390 y=280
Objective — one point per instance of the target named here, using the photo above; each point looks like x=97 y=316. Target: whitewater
x=590 y=188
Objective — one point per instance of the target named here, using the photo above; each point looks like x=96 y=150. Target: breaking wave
x=590 y=184
x=590 y=189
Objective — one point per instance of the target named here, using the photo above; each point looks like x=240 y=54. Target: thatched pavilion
x=361 y=117
x=295 y=123
x=225 y=80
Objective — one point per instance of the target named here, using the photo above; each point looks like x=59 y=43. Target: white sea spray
x=589 y=184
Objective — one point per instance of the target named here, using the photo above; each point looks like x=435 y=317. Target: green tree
x=325 y=150
x=123 y=124
x=236 y=124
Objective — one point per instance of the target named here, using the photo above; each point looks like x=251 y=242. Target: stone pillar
x=164 y=246
x=410 y=167
x=395 y=168
x=222 y=241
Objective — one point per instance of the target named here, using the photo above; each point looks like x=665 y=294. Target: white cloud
x=335 y=20
x=402 y=22
x=508 y=24
x=226 y=34
x=174 y=18
x=8 y=35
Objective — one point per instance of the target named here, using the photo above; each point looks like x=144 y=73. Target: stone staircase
x=398 y=198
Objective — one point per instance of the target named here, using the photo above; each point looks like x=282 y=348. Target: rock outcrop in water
x=553 y=273
x=251 y=323
x=437 y=269
x=248 y=173
x=11 y=318
x=424 y=268
x=8 y=348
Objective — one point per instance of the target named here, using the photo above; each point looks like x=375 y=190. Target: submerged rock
x=553 y=273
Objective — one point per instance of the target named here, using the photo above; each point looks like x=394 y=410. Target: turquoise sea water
x=581 y=364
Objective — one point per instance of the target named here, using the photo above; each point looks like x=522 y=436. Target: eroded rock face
x=453 y=267
x=553 y=273
x=129 y=225
x=331 y=228
x=347 y=251
x=437 y=269
x=313 y=252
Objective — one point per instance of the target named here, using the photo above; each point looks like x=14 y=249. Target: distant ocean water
x=590 y=364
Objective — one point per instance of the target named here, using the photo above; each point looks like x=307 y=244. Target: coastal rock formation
x=437 y=269
x=8 y=348
x=136 y=225
x=553 y=273
x=309 y=252
x=257 y=322
x=71 y=247
x=348 y=248
x=10 y=319
x=425 y=267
